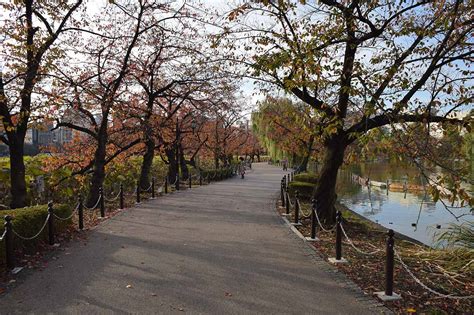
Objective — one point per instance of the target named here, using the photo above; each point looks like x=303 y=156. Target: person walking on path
x=241 y=167
x=285 y=164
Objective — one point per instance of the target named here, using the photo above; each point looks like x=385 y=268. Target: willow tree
x=290 y=126
x=360 y=64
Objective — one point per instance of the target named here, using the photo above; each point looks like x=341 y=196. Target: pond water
x=412 y=214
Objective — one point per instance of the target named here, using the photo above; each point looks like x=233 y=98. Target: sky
x=249 y=90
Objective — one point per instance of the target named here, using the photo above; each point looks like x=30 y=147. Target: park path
x=218 y=249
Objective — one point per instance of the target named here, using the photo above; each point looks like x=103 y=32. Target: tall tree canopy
x=359 y=64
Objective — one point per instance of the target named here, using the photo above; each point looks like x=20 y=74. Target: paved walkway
x=215 y=249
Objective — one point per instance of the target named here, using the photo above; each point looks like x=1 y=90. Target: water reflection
x=412 y=214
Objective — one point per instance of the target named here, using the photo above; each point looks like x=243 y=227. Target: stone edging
x=339 y=277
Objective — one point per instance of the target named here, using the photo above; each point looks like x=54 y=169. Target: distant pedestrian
x=285 y=164
x=241 y=167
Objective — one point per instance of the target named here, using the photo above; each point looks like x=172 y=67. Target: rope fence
x=355 y=247
x=113 y=198
x=10 y=232
x=391 y=252
x=69 y=217
x=26 y=238
x=96 y=204
x=148 y=189
x=427 y=288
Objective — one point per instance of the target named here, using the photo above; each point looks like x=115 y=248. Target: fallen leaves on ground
x=368 y=271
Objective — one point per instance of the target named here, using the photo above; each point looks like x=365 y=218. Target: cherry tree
x=96 y=85
x=30 y=31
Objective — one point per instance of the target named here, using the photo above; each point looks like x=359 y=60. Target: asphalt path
x=219 y=248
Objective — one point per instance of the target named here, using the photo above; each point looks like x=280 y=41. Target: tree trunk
x=304 y=164
x=216 y=161
x=17 y=175
x=309 y=149
x=147 y=163
x=98 y=176
x=293 y=159
x=172 y=166
x=183 y=166
x=325 y=193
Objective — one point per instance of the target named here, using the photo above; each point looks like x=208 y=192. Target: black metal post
x=200 y=179
x=121 y=196
x=102 y=202
x=313 y=219
x=138 y=192
x=177 y=181
x=287 y=203
x=80 y=212
x=9 y=254
x=297 y=209
x=387 y=187
x=166 y=185
x=190 y=181
x=390 y=263
x=338 y=235
x=50 y=223
x=282 y=194
x=153 y=188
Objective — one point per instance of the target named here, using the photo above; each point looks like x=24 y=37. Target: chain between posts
x=289 y=200
x=320 y=224
x=112 y=199
x=148 y=189
x=303 y=214
x=397 y=255
x=160 y=189
x=96 y=204
x=3 y=235
x=37 y=234
x=342 y=231
x=175 y=181
x=355 y=248
x=69 y=217
x=9 y=232
x=447 y=296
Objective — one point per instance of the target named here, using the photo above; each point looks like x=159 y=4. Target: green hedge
x=307 y=178
x=305 y=190
x=215 y=175
x=28 y=221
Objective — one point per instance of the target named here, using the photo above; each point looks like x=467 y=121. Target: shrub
x=307 y=178
x=305 y=190
x=28 y=221
x=215 y=175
